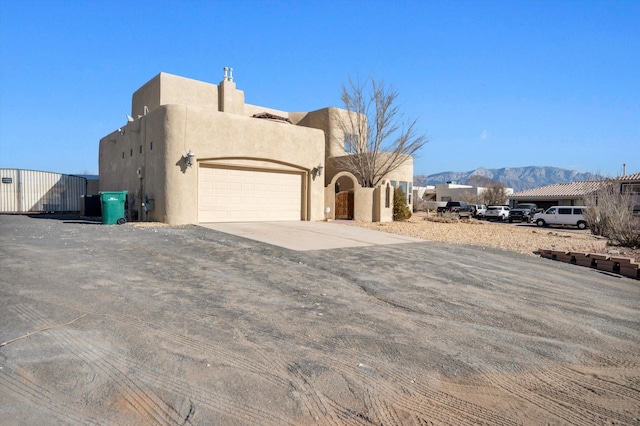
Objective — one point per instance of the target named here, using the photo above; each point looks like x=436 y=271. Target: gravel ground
x=162 y=325
x=521 y=238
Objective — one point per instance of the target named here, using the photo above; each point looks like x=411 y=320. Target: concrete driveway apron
x=303 y=235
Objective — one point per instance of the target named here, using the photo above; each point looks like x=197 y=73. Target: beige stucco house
x=195 y=152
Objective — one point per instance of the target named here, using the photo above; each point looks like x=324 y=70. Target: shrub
x=609 y=214
x=400 y=208
x=446 y=217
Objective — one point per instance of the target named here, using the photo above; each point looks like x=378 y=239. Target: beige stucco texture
x=266 y=167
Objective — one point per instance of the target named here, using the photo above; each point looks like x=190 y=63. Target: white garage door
x=234 y=195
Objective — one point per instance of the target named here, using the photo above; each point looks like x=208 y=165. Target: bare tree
x=377 y=141
x=481 y=181
x=495 y=195
x=469 y=197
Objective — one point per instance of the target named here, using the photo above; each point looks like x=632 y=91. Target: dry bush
x=446 y=217
x=420 y=205
x=609 y=214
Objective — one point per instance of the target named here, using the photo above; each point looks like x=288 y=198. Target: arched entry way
x=340 y=196
x=344 y=205
x=344 y=187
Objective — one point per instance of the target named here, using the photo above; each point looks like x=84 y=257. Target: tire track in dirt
x=236 y=360
x=19 y=384
x=217 y=403
x=458 y=411
x=606 y=360
x=136 y=393
x=330 y=408
x=316 y=402
x=402 y=391
x=310 y=399
x=142 y=398
x=317 y=407
x=382 y=357
x=575 y=392
x=528 y=385
x=557 y=391
x=628 y=391
x=523 y=385
x=595 y=384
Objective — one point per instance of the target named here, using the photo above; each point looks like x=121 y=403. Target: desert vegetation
x=609 y=214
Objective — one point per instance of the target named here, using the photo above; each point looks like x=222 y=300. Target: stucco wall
x=166 y=89
x=132 y=160
x=215 y=137
x=330 y=120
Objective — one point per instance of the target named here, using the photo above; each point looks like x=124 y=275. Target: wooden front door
x=344 y=205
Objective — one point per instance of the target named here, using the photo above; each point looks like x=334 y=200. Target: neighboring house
x=575 y=193
x=196 y=152
x=560 y=194
x=438 y=195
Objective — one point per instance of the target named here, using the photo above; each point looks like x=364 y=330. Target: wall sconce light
x=188 y=159
x=317 y=171
x=121 y=131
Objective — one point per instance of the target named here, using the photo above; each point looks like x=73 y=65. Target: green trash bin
x=113 y=207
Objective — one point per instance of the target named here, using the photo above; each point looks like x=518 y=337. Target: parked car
x=500 y=213
x=522 y=213
x=480 y=210
x=461 y=208
x=562 y=215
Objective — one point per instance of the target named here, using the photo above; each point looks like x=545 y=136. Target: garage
x=248 y=195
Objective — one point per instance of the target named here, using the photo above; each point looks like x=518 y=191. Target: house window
x=151 y=146
x=350 y=142
x=131 y=154
x=387 y=196
x=632 y=188
x=123 y=155
x=410 y=193
x=140 y=149
x=403 y=186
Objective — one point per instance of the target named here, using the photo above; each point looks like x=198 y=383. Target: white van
x=562 y=215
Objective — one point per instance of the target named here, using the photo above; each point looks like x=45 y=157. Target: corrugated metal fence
x=23 y=191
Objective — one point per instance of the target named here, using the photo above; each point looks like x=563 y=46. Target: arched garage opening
x=251 y=191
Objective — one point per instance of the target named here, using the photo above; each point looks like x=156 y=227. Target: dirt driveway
x=134 y=325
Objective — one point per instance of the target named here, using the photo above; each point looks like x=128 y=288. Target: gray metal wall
x=23 y=191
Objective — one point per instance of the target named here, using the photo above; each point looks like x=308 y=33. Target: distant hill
x=518 y=178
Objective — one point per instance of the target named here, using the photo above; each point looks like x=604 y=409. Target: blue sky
x=493 y=83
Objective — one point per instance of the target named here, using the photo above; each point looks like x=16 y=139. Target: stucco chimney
x=230 y=99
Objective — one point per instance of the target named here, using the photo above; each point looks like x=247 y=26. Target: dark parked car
x=523 y=213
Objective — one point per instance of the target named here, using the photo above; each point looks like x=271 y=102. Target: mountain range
x=518 y=178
